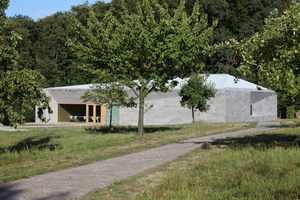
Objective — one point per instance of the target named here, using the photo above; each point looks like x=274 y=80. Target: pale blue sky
x=41 y=8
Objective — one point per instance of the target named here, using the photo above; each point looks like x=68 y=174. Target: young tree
x=195 y=93
x=272 y=57
x=145 y=51
x=112 y=94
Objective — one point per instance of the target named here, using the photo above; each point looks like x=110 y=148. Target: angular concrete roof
x=222 y=81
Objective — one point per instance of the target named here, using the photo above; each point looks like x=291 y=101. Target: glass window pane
x=91 y=113
x=98 y=113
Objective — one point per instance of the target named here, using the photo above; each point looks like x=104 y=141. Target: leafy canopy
x=18 y=90
x=112 y=94
x=146 y=50
x=196 y=92
x=272 y=57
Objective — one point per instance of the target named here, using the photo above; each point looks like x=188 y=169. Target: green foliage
x=272 y=56
x=238 y=19
x=18 y=89
x=145 y=50
x=8 y=41
x=24 y=26
x=196 y=92
x=290 y=112
x=43 y=42
x=112 y=94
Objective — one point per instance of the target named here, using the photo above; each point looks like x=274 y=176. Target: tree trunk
x=141 y=118
x=193 y=114
x=110 y=118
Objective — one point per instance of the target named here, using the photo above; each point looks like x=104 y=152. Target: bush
x=290 y=112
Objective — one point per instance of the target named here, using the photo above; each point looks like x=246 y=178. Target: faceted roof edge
x=222 y=81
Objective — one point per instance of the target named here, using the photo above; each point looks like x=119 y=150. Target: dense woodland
x=43 y=45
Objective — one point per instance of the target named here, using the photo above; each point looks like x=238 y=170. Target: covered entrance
x=83 y=113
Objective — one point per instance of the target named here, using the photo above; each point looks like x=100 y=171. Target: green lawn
x=41 y=150
x=258 y=166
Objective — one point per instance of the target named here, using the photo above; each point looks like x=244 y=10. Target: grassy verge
x=260 y=166
x=24 y=154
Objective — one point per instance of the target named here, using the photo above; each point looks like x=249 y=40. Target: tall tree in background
x=43 y=44
x=145 y=51
x=24 y=26
x=238 y=19
x=8 y=41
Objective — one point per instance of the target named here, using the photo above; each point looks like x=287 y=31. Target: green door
x=115 y=115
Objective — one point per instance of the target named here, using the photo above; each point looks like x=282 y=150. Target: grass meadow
x=258 y=166
x=41 y=150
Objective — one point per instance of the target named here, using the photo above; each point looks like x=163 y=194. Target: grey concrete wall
x=237 y=105
x=238 y=101
x=67 y=96
x=216 y=112
x=166 y=110
x=53 y=105
x=264 y=106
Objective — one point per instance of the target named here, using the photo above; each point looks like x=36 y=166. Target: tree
x=196 y=92
x=24 y=26
x=8 y=41
x=145 y=51
x=17 y=88
x=112 y=94
x=238 y=19
x=272 y=56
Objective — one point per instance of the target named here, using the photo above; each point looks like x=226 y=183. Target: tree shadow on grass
x=291 y=124
x=30 y=144
x=261 y=141
x=128 y=129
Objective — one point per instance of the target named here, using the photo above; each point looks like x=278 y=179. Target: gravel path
x=77 y=182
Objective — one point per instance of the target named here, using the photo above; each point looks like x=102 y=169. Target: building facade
x=234 y=102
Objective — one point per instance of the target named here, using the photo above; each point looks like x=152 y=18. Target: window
x=250 y=109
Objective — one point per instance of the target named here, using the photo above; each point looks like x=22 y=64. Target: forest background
x=43 y=45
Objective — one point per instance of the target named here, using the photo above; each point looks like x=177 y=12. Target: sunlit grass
x=260 y=166
x=24 y=154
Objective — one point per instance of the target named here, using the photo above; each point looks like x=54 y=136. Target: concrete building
x=234 y=102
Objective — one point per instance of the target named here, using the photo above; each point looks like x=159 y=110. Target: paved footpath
x=78 y=181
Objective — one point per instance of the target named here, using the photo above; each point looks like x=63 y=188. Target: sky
x=36 y=9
